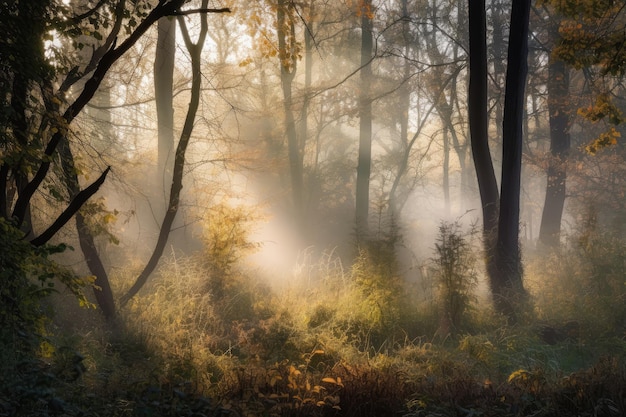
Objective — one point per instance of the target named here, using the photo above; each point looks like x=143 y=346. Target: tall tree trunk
x=102 y=289
x=498 y=50
x=287 y=54
x=304 y=114
x=461 y=149
x=365 y=125
x=108 y=58
x=477 y=108
x=558 y=92
x=195 y=52
x=404 y=102
x=163 y=92
x=19 y=127
x=446 y=171
x=507 y=287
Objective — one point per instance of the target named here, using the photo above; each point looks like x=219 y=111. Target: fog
x=313 y=241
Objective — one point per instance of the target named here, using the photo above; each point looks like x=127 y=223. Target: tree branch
x=204 y=10
x=71 y=209
x=195 y=51
x=108 y=59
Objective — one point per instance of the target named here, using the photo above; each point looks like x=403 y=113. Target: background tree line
x=274 y=96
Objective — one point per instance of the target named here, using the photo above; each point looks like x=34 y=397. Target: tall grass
x=207 y=336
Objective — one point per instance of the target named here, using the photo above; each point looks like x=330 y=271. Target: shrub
x=454 y=268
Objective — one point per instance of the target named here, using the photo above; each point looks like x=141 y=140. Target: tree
x=559 y=120
x=163 y=90
x=508 y=288
x=591 y=38
x=29 y=88
x=195 y=52
x=478 y=124
x=503 y=252
x=365 y=123
x=288 y=54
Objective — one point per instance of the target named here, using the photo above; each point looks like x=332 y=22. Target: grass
x=342 y=341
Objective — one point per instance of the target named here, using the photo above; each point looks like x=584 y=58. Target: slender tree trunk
x=508 y=290
x=19 y=127
x=446 y=171
x=404 y=101
x=461 y=149
x=163 y=92
x=195 y=52
x=558 y=93
x=498 y=50
x=304 y=114
x=477 y=107
x=102 y=289
x=365 y=125
x=285 y=30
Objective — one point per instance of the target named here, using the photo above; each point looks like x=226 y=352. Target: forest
x=350 y=208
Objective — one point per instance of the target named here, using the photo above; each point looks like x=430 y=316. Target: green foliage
x=454 y=268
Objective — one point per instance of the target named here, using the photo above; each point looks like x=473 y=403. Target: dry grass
x=345 y=341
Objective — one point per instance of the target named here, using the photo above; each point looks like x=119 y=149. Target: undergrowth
x=339 y=341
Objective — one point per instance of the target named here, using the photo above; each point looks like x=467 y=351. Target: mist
x=277 y=208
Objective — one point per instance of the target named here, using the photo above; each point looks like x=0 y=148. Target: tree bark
x=558 y=92
x=477 y=108
x=163 y=92
x=365 y=125
x=304 y=114
x=102 y=289
x=507 y=287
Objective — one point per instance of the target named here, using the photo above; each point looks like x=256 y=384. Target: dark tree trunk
x=365 y=125
x=507 y=287
x=163 y=92
x=500 y=215
x=498 y=50
x=195 y=51
x=477 y=104
x=102 y=289
x=558 y=92
x=20 y=128
x=91 y=86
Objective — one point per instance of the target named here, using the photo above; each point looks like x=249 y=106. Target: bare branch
x=194 y=11
x=71 y=209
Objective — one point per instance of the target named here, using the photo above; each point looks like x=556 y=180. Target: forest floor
x=351 y=344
